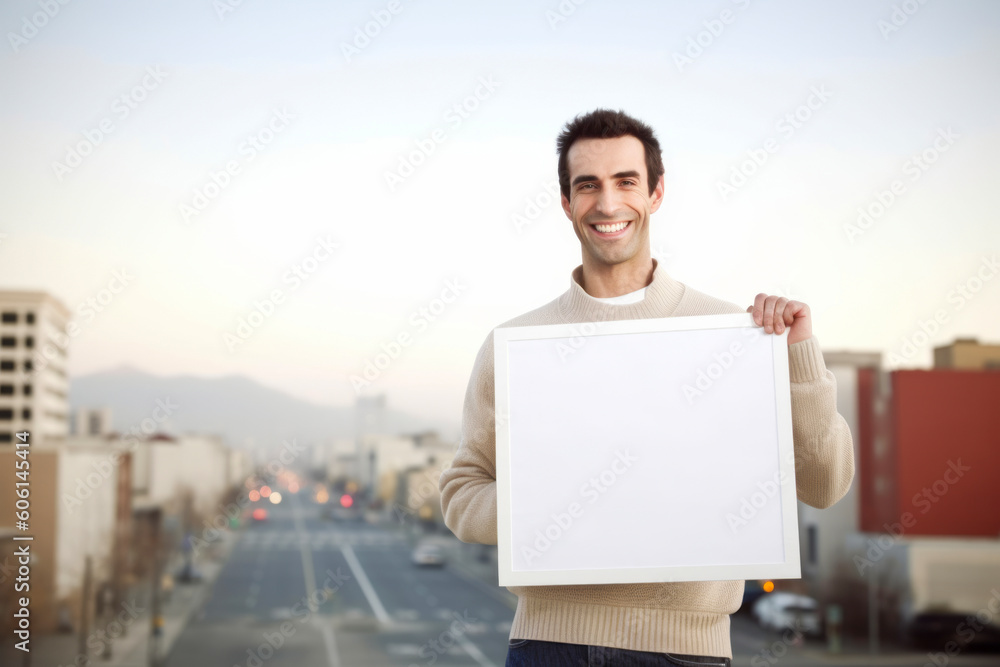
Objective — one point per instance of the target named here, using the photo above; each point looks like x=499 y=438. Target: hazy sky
x=202 y=150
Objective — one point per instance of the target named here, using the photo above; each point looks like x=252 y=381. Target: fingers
x=758 y=309
x=773 y=312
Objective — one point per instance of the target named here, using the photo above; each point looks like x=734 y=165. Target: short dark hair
x=609 y=124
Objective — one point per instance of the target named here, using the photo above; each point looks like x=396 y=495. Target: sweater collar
x=661 y=299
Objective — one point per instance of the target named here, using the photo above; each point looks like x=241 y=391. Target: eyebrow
x=586 y=178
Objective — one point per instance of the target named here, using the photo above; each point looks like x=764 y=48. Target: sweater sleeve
x=824 y=448
x=468 y=487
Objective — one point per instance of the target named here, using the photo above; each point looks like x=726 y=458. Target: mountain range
x=246 y=413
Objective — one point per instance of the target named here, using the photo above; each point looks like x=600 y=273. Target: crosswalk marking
x=291 y=540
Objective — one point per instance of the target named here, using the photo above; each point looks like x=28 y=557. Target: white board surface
x=644 y=450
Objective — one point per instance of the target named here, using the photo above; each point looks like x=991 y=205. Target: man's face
x=609 y=201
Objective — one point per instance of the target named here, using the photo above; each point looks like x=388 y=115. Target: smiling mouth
x=612 y=227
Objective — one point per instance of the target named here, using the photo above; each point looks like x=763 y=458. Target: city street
x=383 y=610
x=371 y=606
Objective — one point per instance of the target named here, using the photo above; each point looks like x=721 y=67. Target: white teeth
x=610 y=229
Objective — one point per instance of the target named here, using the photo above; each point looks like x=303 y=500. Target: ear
x=566 y=209
x=657 y=196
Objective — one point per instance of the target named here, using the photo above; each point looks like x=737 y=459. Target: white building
x=824 y=535
x=168 y=469
x=92 y=421
x=33 y=382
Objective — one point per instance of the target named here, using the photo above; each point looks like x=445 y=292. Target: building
x=934 y=455
x=33 y=382
x=164 y=477
x=917 y=531
x=823 y=534
x=414 y=493
x=119 y=502
x=92 y=421
x=80 y=508
x=967 y=353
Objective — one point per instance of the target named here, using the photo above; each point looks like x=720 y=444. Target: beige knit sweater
x=685 y=617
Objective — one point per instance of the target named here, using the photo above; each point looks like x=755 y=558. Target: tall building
x=33 y=383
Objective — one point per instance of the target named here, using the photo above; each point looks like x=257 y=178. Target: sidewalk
x=132 y=649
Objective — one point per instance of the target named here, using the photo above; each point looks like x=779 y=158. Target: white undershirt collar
x=624 y=299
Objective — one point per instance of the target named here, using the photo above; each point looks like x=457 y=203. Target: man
x=611 y=177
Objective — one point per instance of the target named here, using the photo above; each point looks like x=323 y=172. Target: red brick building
x=930 y=452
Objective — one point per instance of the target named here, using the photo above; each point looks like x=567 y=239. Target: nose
x=608 y=202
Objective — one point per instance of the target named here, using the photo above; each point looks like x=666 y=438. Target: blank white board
x=644 y=451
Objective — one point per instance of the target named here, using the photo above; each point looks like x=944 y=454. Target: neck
x=603 y=281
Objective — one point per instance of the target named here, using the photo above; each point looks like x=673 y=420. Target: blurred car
x=788 y=611
x=428 y=555
x=336 y=513
x=188 y=574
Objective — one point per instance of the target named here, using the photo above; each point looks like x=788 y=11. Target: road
x=300 y=590
x=372 y=606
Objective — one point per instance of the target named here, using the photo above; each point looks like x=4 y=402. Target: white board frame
x=576 y=335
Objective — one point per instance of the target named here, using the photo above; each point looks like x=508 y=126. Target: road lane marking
x=473 y=651
x=366 y=586
x=329 y=642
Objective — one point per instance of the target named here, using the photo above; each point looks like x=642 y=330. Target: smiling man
x=611 y=177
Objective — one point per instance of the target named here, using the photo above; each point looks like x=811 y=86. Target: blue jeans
x=536 y=653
